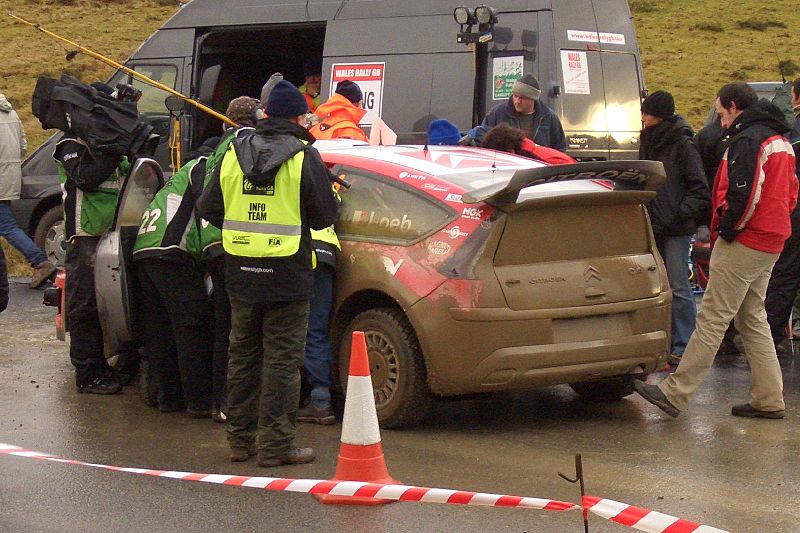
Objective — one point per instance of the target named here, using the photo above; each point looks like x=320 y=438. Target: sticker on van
x=369 y=77
x=576 y=72
x=594 y=37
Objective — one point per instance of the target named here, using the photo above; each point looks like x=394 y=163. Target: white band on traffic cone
x=360 y=423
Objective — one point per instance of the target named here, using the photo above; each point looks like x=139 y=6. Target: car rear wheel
x=402 y=396
x=607 y=390
x=49 y=235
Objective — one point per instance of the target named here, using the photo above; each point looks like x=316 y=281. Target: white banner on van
x=505 y=71
x=369 y=77
x=594 y=37
x=576 y=72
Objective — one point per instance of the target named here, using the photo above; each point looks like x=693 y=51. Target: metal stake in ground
x=579 y=479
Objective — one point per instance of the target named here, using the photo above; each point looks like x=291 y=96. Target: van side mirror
x=174 y=103
x=208 y=82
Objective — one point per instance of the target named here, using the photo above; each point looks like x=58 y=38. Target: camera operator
x=90 y=181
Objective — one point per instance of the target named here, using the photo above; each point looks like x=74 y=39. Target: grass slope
x=689 y=47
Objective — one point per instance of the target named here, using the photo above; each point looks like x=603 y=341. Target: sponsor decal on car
x=453 y=198
x=370 y=217
x=435 y=187
x=439 y=248
x=455 y=232
x=390 y=266
x=407 y=175
x=472 y=213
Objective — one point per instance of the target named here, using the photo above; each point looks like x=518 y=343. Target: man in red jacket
x=754 y=194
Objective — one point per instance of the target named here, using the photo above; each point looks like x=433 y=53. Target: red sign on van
x=369 y=77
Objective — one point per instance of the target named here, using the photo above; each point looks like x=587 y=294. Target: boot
x=42 y=273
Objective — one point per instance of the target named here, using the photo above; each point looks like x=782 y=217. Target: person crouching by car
x=175 y=311
x=506 y=138
x=679 y=202
x=271 y=189
x=90 y=181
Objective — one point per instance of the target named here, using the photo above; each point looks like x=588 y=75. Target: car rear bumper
x=469 y=350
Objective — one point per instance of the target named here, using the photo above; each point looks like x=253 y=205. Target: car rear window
x=378 y=209
x=572 y=233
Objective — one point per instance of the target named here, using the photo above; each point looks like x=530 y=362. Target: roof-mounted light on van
x=485 y=14
x=464 y=16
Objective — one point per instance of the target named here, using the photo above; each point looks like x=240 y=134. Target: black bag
x=106 y=124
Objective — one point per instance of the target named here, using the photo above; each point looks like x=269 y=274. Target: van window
x=151 y=104
x=375 y=209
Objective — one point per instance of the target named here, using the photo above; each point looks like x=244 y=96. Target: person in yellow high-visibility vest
x=269 y=191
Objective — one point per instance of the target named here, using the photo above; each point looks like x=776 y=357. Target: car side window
x=377 y=209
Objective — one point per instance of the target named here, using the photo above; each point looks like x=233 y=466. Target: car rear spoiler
x=624 y=175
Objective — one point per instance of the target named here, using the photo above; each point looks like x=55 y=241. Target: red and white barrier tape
x=404 y=493
x=643 y=519
x=621 y=513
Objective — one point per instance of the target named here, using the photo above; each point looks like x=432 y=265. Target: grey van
x=407 y=57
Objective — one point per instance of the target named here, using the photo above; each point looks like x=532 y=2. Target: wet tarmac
x=706 y=466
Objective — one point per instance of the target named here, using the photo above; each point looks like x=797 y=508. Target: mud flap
x=113 y=271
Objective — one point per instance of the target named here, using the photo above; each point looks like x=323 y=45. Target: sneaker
x=653 y=394
x=41 y=274
x=316 y=415
x=100 y=385
x=674 y=358
x=295 y=456
x=748 y=411
x=240 y=455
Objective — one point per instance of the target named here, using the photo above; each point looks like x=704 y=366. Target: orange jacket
x=339 y=120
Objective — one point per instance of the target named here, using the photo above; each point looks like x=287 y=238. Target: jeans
x=675 y=252
x=317 y=361
x=18 y=238
x=267 y=344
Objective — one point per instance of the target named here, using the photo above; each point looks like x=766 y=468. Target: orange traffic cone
x=360 y=452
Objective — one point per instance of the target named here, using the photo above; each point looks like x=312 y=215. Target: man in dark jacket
x=754 y=194
x=681 y=200
x=270 y=189
x=524 y=110
x=785 y=280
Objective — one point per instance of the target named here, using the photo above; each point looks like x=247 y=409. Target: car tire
x=607 y=390
x=399 y=377
x=49 y=235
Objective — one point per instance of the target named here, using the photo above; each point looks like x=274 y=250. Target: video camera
x=107 y=122
x=126 y=93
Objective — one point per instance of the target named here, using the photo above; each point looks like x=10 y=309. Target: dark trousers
x=266 y=351
x=176 y=317
x=222 y=331
x=784 y=283
x=85 y=335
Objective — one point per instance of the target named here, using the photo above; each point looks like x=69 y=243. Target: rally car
x=472 y=271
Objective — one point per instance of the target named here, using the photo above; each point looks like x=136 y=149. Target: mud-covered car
x=472 y=271
x=469 y=271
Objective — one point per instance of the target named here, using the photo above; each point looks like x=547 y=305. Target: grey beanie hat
x=267 y=88
x=527 y=87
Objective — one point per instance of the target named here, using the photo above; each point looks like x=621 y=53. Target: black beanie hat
x=350 y=90
x=285 y=101
x=659 y=104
